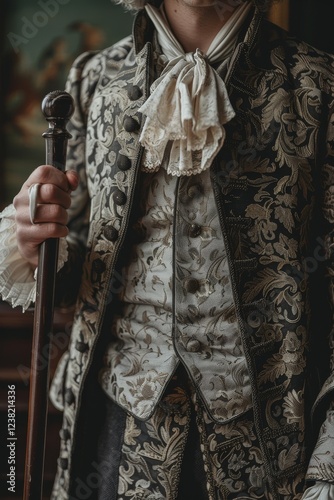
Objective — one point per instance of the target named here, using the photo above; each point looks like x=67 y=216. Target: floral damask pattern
x=279 y=152
x=153 y=330
x=152 y=453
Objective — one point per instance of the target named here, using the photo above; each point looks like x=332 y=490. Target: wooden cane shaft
x=39 y=373
x=57 y=108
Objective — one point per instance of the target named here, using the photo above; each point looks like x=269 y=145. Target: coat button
x=69 y=396
x=195 y=190
x=130 y=124
x=81 y=346
x=98 y=266
x=195 y=230
x=110 y=233
x=63 y=463
x=119 y=197
x=193 y=345
x=65 y=434
x=191 y=285
x=135 y=93
x=123 y=162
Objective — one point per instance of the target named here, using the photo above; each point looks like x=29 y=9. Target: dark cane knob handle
x=58 y=105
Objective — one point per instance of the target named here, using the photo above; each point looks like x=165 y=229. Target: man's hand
x=53 y=200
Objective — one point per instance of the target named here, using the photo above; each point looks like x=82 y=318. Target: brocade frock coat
x=274 y=191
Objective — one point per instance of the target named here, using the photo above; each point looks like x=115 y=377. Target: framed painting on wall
x=40 y=40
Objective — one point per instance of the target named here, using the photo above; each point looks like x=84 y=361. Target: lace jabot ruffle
x=189 y=104
x=189 y=114
x=17 y=278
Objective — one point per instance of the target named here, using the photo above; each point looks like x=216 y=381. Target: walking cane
x=57 y=108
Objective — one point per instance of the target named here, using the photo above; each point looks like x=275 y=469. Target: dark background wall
x=313 y=21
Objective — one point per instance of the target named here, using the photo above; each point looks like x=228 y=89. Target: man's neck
x=195 y=23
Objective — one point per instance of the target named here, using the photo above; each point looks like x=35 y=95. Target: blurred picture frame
x=40 y=40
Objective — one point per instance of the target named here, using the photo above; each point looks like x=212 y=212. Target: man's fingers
x=46 y=174
x=41 y=213
x=72 y=178
x=34 y=234
x=52 y=194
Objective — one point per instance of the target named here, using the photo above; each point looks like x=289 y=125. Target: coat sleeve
x=17 y=278
x=321 y=466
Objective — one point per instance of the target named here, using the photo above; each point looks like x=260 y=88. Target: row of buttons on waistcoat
x=124 y=163
x=192 y=285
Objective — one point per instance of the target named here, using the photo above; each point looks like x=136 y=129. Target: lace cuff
x=320 y=491
x=17 y=278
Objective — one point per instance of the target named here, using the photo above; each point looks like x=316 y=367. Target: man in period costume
x=198 y=252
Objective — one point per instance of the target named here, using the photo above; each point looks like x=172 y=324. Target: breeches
x=179 y=453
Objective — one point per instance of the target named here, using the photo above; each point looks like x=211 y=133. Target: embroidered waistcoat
x=177 y=304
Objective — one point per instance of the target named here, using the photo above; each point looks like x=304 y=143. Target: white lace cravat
x=189 y=104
